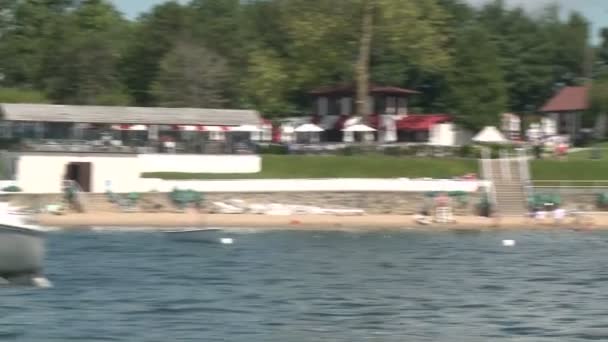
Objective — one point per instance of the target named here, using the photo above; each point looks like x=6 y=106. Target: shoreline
x=163 y=221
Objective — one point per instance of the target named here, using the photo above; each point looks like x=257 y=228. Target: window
x=5 y=130
x=217 y=135
x=391 y=105
x=402 y=105
x=322 y=106
x=334 y=106
x=345 y=106
x=54 y=130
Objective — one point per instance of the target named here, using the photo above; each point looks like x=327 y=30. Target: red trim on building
x=339 y=125
x=421 y=122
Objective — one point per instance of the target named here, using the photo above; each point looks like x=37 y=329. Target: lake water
x=310 y=286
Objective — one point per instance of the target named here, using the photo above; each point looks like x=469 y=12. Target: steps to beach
x=508 y=178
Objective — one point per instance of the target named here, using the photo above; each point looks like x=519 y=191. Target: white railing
x=487 y=174
x=524 y=172
x=505 y=165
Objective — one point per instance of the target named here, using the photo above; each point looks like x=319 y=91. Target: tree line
x=472 y=62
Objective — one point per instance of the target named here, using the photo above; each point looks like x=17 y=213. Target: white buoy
x=226 y=241
x=508 y=243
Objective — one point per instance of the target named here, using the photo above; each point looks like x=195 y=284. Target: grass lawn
x=377 y=166
x=570 y=169
x=367 y=166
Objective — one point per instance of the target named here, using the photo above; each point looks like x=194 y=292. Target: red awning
x=418 y=122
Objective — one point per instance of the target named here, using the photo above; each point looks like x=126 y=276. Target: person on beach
x=539 y=216
x=558 y=215
x=580 y=219
x=423 y=215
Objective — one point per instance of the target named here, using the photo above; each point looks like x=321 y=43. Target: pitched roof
x=421 y=122
x=569 y=99
x=351 y=89
x=128 y=115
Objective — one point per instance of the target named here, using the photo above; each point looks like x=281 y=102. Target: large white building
x=111 y=147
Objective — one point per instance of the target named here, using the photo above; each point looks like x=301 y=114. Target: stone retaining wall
x=572 y=197
x=398 y=203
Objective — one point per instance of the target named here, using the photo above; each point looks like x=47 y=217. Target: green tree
x=478 y=93
x=192 y=76
x=154 y=36
x=334 y=41
x=24 y=31
x=267 y=83
x=82 y=58
x=15 y=95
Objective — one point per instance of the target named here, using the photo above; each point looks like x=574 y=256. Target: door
x=81 y=174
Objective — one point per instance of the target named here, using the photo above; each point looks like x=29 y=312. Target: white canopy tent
x=308 y=128
x=490 y=135
x=359 y=128
x=310 y=132
x=350 y=131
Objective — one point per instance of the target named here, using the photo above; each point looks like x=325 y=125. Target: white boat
x=216 y=235
x=21 y=247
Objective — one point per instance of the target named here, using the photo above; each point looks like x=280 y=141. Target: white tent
x=358 y=128
x=491 y=135
x=308 y=133
x=308 y=128
x=350 y=131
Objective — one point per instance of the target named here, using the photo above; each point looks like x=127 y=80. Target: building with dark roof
x=566 y=109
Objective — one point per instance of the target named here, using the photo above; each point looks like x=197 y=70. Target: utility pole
x=363 y=62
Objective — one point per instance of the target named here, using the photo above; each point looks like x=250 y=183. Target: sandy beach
x=303 y=222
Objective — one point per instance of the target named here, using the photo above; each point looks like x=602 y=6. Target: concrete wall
x=398 y=203
x=200 y=163
x=314 y=185
x=43 y=173
x=374 y=203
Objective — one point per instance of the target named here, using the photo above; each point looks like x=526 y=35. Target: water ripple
x=299 y=286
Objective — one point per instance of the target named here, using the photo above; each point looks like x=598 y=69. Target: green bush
x=351 y=151
x=12 y=188
x=273 y=149
x=466 y=151
x=392 y=151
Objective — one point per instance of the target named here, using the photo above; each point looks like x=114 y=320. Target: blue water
x=309 y=286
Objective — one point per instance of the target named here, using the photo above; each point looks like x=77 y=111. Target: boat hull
x=198 y=235
x=21 y=251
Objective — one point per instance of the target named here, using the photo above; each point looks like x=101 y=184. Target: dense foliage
x=267 y=54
